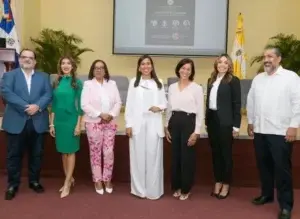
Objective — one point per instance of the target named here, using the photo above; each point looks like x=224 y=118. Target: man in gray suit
x=27 y=94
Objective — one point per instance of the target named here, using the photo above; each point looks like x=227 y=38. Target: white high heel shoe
x=99 y=191
x=109 y=190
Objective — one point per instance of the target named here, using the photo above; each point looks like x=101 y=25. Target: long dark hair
x=153 y=73
x=92 y=68
x=60 y=73
x=228 y=75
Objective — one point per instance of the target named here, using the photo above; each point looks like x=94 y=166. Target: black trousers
x=181 y=126
x=220 y=138
x=273 y=156
x=17 y=144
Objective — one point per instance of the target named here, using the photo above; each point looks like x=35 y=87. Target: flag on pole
x=238 y=52
x=8 y=28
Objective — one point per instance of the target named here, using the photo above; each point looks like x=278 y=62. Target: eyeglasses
x=27 y=57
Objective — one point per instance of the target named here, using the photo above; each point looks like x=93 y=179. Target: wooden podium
x=7 y=63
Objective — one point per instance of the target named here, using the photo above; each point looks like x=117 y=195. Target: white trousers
x=146 y=161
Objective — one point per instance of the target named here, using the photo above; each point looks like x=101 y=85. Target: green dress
x=66 y=109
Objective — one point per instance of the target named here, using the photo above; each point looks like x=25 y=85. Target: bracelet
x=51 y=125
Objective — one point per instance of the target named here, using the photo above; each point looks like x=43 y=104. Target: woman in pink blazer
x=101 y=103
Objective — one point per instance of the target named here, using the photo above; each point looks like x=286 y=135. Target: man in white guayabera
x=273 y=108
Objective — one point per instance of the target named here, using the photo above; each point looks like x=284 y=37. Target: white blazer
x=134 y=108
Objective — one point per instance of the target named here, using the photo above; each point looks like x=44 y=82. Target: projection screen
x=170 y=27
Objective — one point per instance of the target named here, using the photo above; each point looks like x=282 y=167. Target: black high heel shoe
x=213 y=194
x=224 y=196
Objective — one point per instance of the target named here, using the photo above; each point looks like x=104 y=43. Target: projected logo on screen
x=170 y=22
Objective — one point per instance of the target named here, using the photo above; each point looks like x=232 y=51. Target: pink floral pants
x=101 y=137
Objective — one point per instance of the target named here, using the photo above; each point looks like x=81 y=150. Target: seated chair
x=123 y=85
x=172 y=80
x=245 y=87
x=52 y=78
x=82 y=77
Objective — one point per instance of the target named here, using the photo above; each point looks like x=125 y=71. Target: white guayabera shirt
x=273 y=103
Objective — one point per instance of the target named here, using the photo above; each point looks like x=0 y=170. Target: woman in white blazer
x=145 y=104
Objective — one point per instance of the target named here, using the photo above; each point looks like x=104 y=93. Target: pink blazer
x=91 y=100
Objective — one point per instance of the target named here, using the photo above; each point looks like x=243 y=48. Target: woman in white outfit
x=145 y=103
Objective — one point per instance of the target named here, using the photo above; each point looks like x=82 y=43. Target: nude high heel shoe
x=72 y=184
x=66 y=191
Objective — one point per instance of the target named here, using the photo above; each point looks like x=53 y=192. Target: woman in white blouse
x=145 y=103
x=101 y=103
x=183 y=124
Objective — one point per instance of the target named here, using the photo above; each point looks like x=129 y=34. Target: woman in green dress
x=65 y=121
